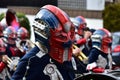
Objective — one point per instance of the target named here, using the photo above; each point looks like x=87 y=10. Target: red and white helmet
x=10 y=35
x=102 y=40
x=80 y=24
x=54 y=29
x=22 y=33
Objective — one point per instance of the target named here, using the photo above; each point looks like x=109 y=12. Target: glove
x=12 y=64
x=98 y=70
x=91 y=66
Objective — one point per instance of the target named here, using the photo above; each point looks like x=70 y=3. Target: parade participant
x=82 y=38
x=5 y=62
x=51 y=58
x=10 y=39
x=82 y=34
x=23 y=40
x=4 y=59
x=99 y=58
x=12 y=52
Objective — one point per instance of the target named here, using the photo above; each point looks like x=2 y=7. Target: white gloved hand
x=12 y=64
x=91 y=66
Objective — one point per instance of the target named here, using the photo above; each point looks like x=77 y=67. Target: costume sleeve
x=22 y=65
x=2 y=66
x=20 y=71
x=81 y=41
x=93 y=56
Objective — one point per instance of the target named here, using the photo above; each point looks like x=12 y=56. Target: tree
x=111 y=17
x=2 y=15
x=24 y=22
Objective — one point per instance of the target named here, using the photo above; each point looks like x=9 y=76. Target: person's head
x=53 y=28
x=80 y=24
x=22 y=34
x=10 y=35
x=102 y=40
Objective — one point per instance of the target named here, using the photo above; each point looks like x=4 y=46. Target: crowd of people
x=62 y=48
x=14 y=44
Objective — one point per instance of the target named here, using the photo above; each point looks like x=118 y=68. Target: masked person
x=82 y=40
x=4 y=61
x=12 y=52
x=10 y=40
x=100 y=54
x=51 y=58
x=82 y=34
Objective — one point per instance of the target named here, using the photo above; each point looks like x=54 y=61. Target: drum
x=97 y=76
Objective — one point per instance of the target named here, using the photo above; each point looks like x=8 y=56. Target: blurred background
x=96 y=12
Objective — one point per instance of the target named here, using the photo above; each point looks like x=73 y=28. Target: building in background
x=90 y=9
x=86 y=8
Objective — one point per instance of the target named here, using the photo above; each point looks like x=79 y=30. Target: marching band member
x=13 y=54
x=82 y=39
x=99 y=58
x=51 y=58
x=82 y=34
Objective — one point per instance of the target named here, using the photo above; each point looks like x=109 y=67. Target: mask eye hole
x=63 y=37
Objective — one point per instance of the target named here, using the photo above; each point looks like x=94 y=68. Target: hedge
x=111 y=17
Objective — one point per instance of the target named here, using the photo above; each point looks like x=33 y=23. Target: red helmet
x=102 y=40
x=2 y=47
x=80 y=24
x=54 y=29
x=10 y=35
x=22 y=33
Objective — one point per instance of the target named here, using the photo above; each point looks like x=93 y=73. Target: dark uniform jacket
x=31 y=67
